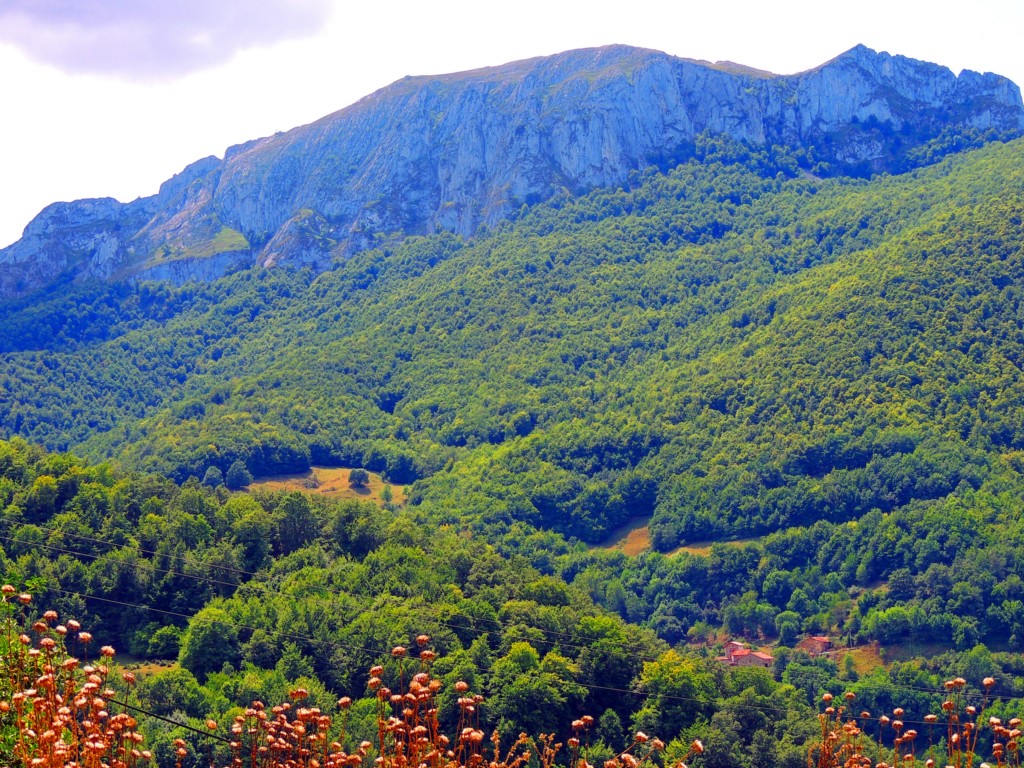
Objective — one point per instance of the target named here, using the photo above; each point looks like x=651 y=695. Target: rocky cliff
x=458 y=151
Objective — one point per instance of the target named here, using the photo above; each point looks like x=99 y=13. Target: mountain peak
x=460 y=150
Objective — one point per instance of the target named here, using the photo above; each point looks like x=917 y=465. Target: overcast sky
x=111 y=97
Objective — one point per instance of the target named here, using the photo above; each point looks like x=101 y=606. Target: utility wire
x=588 y=686
x=357 y=599
x=251 y=574
x=154 y=715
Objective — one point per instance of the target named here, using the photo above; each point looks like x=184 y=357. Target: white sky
x=66 y=136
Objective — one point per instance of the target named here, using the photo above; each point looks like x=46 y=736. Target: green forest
x=244 y=596
x=807 y=390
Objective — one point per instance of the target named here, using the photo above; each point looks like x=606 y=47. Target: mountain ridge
x=461 y=151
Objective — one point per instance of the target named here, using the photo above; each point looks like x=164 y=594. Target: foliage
x=816 y=380
x=729 y=346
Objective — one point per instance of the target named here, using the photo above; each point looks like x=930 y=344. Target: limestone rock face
x=454 y=152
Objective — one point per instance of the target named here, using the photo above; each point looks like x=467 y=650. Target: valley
x=579 y=420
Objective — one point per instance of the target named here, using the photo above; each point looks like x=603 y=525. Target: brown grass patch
x=331 y=481
x=141 y=667
x=145 y=670
x=633 y=537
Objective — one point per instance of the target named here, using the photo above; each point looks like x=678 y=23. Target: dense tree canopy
x=808 y=390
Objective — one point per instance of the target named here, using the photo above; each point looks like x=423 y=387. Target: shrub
x=238 y=476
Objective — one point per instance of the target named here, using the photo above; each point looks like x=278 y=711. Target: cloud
x=152 y=39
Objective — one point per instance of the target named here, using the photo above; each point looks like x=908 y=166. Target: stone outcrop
x=454 y=152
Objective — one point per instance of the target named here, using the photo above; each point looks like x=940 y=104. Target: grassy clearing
x=910 y=651
x=866 y=658
x=332 y=481
x=703 y=548
x=143 y=667
x=633 y=537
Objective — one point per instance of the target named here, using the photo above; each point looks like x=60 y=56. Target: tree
x=293 y=663
x=296 y=524
x=358 y=478
x=678 y=692
x=610 y=730
x=210 y=641
x=164 y=643
x=171 y=690
x=213 y=478
x=253 y=532
x=787 y=624
x=238 y=476
x=530 y=694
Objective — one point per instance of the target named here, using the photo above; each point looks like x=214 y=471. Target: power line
x=357 y=599
x=148 y=713
x=348 y=596
x=135 y=564
x=79 y=536
x=588 y=686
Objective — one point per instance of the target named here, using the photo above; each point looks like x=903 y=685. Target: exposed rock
x=456 y=151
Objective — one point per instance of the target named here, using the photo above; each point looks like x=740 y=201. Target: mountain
x=721 y=348
x=464 y=151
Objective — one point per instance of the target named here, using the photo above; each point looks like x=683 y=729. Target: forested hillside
x=732 y=348
x=768 y=389
x=255 y=595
